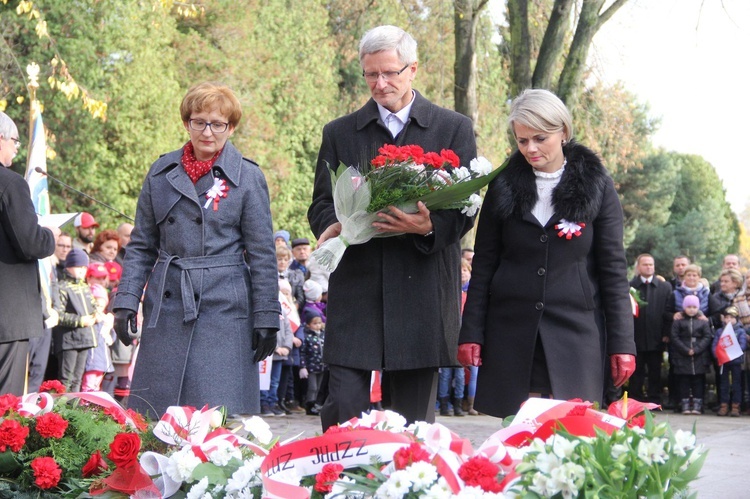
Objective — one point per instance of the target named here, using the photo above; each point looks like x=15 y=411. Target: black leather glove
x=264 y=342
x=124 y=320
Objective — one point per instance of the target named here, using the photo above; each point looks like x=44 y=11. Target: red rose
x=408 y=455
x=94 y=466
x=52 y=385
x=8 y=402
x=329 y=474
x=124 y=449
x=46 y=472
x=479 y=471
x=12 y=434
x=51 y=425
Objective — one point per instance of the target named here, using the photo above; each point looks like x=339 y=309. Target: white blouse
x=545 y=184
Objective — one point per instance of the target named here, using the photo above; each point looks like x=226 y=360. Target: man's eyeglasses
x=387 y=75
x=16 y=141
x=200 y=125
x=64 y=245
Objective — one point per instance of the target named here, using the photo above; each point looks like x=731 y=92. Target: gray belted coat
x=209 y=277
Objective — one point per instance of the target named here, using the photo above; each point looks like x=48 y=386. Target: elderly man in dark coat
x=203 y=241
x=22 y=243
x=652 y=325
x=393 y=302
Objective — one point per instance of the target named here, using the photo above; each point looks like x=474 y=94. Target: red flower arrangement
x=47 y=472
x=53 y=386
x=51 y=425
x=409 y=455
x=8 y=401
x=391 y=155
x=329 y=474
x=479 y=471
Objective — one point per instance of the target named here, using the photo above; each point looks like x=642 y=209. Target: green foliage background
x=294 y=66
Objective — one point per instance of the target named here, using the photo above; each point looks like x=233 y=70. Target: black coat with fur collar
x=529 y=279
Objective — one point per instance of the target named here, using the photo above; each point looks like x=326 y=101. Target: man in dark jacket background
x=22 y=243
x=652 y=328
x=394 y=302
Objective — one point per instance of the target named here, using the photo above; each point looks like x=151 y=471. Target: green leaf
x=216 y=475
x=438 y=199
x=8 y=463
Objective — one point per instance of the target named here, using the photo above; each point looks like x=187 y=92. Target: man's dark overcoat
x=22 y=243
x=526 y=280
x=393 y=302
x=654 y=320
x=211 y=278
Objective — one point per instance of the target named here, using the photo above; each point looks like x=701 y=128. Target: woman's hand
x=622 y=366
x=470 y=354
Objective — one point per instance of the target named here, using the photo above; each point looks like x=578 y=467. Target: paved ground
x=725 y=474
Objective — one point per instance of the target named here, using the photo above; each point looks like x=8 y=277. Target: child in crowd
x=288 y=402
x=471 y=372
x=311 y=358
x=295 y=277
x=691 y=339
x=74 y=334
x=733 y=368
x=313 y=299
x=99 y=361
x=269 y=401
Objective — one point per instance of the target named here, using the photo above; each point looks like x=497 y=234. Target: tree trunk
x=520 y=46
x=466 y=15
x=552 y=44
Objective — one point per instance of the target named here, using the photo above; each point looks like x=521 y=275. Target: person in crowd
x=62 y=247
x=470 y=372
x=679 y=264
x=22 y=243
x=99 y=360
x=409 y=285
x=202 y=249
x=301 y=252
x=281 y=238
x=692 y=285
x=106 y=246
x=114 y=271
x=74 y=334
x=124 y=230
x=97 y=273
x=730 y=285
x=690 y=355
x=730 y=373
x=451 y=391
x=312 y=367
x=730 y=261
x=295 y=277
x=313 y=299
x=742 y=304
x=652 y=326
x=85 y=226
x=467 y=254
x=269 y=399
x=549 y=295
x=288 y=400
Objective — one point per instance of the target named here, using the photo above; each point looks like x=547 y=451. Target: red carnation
x=51 y=425
x=450 y=157
x=124 y=449
x=8 y=402
x=329 y=474
x=46 y=472
x=12 y=434
x=52 y=385
x=479 y=471
x=339 y=429
x=406 y=456
x=433 y=159
x=140 y=422
x=116 y=414
x=94 y=466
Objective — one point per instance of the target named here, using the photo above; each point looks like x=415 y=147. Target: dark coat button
x=198 y=220
x=170 y=220
x=541 y=271
x=543 y=238
x=539 y=305
x=167 y=294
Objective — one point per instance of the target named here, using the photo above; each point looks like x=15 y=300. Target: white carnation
x=224 y=452
x=397 y=485
x=475 y=202
x=181 y=465
x=480 y=165
x=198 y=491
x=461 y=173
x=246 y=475
x=258 y=428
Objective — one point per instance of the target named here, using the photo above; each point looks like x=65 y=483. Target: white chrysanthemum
x=246 y=493
x=562 y=447
x=440 y=490
x=395 y=421
x=223 y=453
x=247 y=474
x=619 y=450
x=258 y=428
x=397 y=485
x=422 y=475
x=480 y=165
x=181 y=464
x=683 y=442
x=339 y=490
x=546 y=462
x=198 y=491
x=652 y=451
x=566 y=479
x=419 y=428
x=475 y=203
x=461 y=173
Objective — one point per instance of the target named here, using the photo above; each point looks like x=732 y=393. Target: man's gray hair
x=389 y=38
x=7 y=126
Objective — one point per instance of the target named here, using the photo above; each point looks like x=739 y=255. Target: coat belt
x=186 y=284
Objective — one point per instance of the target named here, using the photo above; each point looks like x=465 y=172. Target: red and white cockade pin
x=216 y=192
x=569 y=229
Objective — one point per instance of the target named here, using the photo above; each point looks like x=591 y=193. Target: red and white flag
x=727 y=349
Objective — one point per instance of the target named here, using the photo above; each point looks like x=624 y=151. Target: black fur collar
x=576 y=198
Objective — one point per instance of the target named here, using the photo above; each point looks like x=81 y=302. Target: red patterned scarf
x=194 y=168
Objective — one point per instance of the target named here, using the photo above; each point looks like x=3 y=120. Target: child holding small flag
x=729 y=344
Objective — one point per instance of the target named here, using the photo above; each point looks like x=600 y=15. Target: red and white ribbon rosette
x=569 y=229
x=36 y=404
x=216 y=192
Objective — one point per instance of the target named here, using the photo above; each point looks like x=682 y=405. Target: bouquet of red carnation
x=400 y=176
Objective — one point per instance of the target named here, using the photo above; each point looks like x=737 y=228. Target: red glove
x=622 y=366
x=469 y=354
